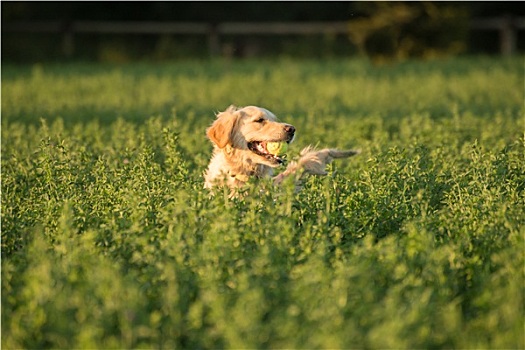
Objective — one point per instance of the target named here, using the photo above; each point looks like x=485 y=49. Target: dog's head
x=244 y=133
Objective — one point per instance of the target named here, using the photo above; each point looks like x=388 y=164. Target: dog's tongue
x=261 y=147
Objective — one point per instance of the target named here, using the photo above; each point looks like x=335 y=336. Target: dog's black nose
x=290 y=129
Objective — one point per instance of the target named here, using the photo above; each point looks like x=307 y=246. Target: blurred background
x=128 y=31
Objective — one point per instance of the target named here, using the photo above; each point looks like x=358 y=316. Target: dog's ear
x=220 y=132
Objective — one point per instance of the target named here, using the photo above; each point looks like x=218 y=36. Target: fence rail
x=507 y=26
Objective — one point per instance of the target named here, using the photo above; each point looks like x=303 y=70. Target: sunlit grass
x=110 y=241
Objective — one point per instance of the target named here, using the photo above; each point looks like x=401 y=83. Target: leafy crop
x=110 y=241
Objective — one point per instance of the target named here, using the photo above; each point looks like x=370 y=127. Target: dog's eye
x=260 y=120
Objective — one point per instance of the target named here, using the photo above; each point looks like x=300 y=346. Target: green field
x=110 y=241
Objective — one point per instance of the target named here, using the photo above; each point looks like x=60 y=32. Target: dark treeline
x=384 y=30
x=217 y=11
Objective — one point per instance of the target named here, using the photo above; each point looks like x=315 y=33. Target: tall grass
x=110 y=241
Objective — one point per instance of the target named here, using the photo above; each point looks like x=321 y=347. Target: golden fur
x=239 y=136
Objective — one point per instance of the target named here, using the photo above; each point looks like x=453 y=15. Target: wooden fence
x=507 y=26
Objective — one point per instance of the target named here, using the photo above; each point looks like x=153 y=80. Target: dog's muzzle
x=290 y=132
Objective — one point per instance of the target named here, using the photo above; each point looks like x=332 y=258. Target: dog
x=239 y=136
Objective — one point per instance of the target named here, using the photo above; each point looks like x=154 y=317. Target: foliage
x=400 y=30
x=380 y=30
x=110 y=241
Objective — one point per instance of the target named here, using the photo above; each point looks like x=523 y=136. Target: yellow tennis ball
x=277 y=148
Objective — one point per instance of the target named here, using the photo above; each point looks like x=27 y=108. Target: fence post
x=507 y=36
x=213 y=40
x=68 y=42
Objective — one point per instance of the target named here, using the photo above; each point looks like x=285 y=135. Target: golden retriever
x=239 y=137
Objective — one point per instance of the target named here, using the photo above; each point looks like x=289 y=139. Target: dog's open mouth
x=259 y=148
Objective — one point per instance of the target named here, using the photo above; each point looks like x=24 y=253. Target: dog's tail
x=336 y=154
x=329 y=153
x=313 y=162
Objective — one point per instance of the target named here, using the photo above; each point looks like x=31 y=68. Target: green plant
x=109 y=239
